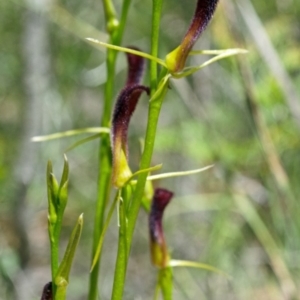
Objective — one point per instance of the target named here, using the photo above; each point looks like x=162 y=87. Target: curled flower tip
x=124 y=108
x=47 y=292
x=175 y=60
x=135 y=67
x=159 y=252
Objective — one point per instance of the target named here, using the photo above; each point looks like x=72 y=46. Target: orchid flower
x=176 y=59
x=159 y=252
x=124 y=108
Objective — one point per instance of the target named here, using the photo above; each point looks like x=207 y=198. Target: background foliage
x=241 y=114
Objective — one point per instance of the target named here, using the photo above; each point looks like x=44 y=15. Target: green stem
x=60 y=293
x=103 y=193
x=105 y=151
x=120 y=270
x=54 y=252
x=153 y=115
x=156 y=15
x=54 y=257
x=166 y=283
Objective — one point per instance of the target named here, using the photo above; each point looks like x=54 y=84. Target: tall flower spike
x=175 y=60
x=158 y=247
x=124 y=108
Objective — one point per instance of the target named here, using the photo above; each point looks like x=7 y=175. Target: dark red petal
x=135 y=67
x=158 y=247
x=124 y=108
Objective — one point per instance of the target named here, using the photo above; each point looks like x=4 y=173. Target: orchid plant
x=133 y=189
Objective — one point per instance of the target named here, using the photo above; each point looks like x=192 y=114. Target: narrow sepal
x=65 y=173
x=63 y=186
x=52 y=191
x=59 y=135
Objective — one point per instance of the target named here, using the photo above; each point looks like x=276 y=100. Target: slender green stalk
x=55 y=245
x=153 y=115
x=104 y=151
x=104 y=174
x=156 y=15
x=121 y=263
x=54 y=260
x=60 y=293
x=166 y=282
x=120 y=272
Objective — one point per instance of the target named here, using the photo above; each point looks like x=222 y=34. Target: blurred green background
x=241 y=114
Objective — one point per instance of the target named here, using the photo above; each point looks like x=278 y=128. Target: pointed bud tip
x=80 y=219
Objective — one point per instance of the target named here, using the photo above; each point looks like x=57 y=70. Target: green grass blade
x=248 y=211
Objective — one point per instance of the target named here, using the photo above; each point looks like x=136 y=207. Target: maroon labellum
x=159 y=252
x=124 y=108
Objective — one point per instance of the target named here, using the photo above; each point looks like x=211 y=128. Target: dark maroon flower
x=159 y=252
x=124 y=107
x=175 y=60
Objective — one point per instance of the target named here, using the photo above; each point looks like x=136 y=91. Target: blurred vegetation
x=241 y=114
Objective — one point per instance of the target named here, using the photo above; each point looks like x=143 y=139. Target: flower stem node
x=61 y=282
x=112 y=25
